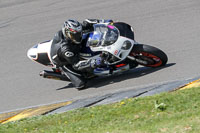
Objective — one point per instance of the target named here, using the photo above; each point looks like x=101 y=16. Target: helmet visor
x=75 y=36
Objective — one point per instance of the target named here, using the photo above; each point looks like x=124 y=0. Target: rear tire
x=149 y=56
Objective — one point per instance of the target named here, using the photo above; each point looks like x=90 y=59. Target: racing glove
x=88 y=65
x=94 y=63
x=88 y=23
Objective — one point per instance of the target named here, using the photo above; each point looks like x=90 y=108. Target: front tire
x=149 y=56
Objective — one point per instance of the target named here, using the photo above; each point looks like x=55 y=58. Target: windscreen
x=103 y=35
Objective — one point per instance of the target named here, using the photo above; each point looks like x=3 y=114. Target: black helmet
x=72 y=29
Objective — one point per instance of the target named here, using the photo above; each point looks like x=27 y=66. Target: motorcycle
x=112 y=41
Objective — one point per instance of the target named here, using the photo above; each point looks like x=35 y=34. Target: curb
x=42 y=110
x=192 y=84
x=105 y=99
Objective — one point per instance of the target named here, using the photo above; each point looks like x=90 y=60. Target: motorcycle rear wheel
x=149 y=56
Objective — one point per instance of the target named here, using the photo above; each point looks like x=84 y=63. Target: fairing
x=41 y=53
x=107 y=38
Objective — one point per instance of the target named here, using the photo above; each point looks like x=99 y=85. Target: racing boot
x=78 y=81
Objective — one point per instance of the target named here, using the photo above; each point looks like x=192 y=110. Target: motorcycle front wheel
x=149 y=56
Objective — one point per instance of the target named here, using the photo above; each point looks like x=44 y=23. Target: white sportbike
x=114 y=41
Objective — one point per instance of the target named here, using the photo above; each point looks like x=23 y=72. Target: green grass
x=167 y=112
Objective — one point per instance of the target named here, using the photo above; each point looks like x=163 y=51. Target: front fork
x=139 y=61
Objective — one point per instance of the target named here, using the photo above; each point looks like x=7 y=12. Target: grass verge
x=167 y=112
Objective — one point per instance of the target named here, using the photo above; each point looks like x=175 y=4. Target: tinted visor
x=76 y=37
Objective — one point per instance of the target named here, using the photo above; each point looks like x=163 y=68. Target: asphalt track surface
x=171 y=25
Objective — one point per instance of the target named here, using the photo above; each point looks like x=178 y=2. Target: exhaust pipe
x=53 y=75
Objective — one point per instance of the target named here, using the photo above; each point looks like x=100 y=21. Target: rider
x=66 y=47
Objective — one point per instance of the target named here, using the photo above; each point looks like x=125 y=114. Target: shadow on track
x=135 y=73
x=65 y=87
